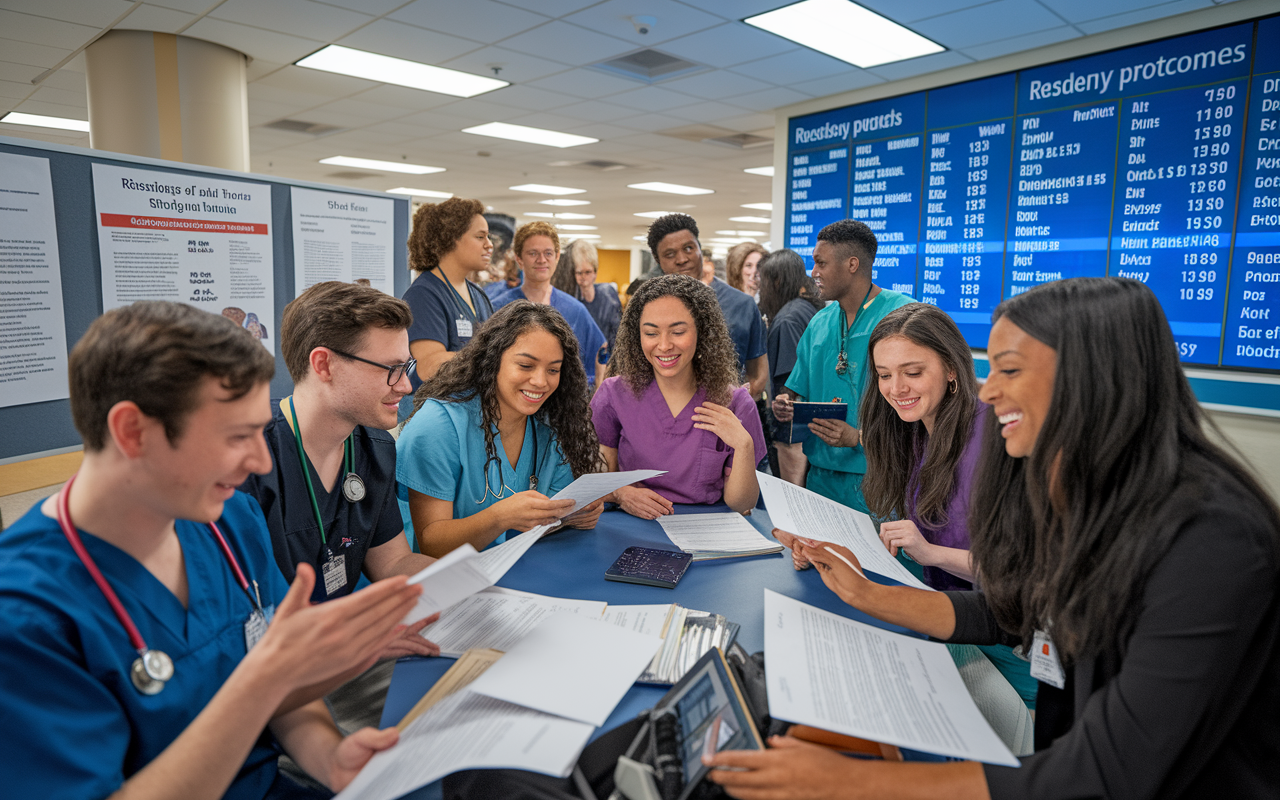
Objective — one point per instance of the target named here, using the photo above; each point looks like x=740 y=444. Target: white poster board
x=33 y=333
x=342 y=237
x=188 y=238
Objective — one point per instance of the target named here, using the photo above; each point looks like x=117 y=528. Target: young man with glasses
x=537 y=251
x=330 y=500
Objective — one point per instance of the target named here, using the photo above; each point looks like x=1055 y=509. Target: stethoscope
x=352 y=485
x=533 y=475
x=152 y=669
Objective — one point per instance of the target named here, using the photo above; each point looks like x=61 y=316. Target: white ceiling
x=544 y=47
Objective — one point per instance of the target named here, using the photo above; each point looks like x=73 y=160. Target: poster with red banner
x=193 y=239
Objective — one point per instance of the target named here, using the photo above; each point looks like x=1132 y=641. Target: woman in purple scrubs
x=673 y=402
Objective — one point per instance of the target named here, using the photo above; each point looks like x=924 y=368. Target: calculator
x=649 y=566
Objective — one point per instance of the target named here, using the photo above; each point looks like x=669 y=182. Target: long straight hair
x=1121 y=462
x=783 y=279
x=893 y=447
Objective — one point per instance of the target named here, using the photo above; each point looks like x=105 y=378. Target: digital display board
x=1158 y=162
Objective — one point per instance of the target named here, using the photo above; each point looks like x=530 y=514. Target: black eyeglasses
x=394 y=371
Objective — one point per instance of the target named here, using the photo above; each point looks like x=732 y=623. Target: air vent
x=302 y=126
x=352 y=175
x=648 y=66
x=594 y=165
x=742 y=141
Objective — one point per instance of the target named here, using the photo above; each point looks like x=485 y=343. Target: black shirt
x=785 y=330
x=350 y=528
x=1192 y=707
x=606 y=310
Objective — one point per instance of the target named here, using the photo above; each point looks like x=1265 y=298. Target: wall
x=615 y=267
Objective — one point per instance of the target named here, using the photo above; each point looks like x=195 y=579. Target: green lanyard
x=347 y=458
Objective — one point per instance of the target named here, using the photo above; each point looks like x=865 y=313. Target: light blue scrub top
x=75 y=726
x=441 y=453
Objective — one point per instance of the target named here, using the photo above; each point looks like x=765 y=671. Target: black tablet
x=649 y=566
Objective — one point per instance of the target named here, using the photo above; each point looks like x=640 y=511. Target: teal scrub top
x=814 y=376
x=441 y=454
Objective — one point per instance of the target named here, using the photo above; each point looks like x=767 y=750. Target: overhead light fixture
x=741 y=233
x=752 y=220
x=828 y=26
x=565 y=202
x=765 y=171
x=420 y=192
x=585 y=236
x=544 y=214
x=652 y=214
x=41 y=121
x=572 y=215
x=523 y=133
x=382 y=166
x=759 y=206
x=542 y=188
x=577 y=227
x=402 y=72
x=669 y=188
x=641 y=238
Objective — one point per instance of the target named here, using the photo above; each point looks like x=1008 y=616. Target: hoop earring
x=954 y=385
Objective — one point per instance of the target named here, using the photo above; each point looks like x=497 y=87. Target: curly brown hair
x=531 y=229
x=474 y=372
x=437 y=227
x=737 y=260
x=715 y=361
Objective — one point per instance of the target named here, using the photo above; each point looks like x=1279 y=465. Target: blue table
x=572 y=564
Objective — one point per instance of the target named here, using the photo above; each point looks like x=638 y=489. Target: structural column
x=167 y=96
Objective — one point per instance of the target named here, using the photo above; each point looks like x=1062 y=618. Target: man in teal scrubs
x=831 y=358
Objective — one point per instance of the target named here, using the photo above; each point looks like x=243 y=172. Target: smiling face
x=912 y=378
x=751 y=273
x=537 y=257
x=679 y=254
x=832 y=273
x=474 y=250
x=529 y=373
x=669 y=338
x=1020 y=385
x=221 y=444
x=361 y=393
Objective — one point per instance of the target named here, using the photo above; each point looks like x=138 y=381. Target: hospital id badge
x=464 y=328
x=334 y=570
x=1045 y=666
x=256 y=625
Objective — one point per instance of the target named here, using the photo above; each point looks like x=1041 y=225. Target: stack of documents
x=718 y=535
x=686 y=636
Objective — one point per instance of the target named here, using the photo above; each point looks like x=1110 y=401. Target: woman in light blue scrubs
x=501 y=428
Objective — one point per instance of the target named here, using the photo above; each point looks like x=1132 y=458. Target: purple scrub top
x=646 y=436
x=956 y=532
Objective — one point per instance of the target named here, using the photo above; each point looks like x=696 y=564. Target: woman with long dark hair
x=673 y=402
x=1141 y=560
x=497 y=432
x=788 y=300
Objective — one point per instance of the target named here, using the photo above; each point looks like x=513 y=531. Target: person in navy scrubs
x=330 y=499
x=181 y=687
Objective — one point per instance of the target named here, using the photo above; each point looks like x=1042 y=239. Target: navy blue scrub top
x=437 y=312
x=350 y=528
x=746 y=326
x=75 y=726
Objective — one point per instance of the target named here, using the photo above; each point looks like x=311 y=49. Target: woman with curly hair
x=496 y=433
x=449 y=241
x=673 y=402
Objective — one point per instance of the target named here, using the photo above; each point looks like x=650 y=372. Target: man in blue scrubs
x=831 y=358
x=673 y=241
x=331 y=503
x=170 y=402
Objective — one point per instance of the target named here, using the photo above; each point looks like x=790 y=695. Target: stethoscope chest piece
x=151 y=671
x=353 y=488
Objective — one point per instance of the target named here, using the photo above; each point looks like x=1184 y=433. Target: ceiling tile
x=768 y=99
x=54 y=109
x=14 y=90
x=66 y=79
x=672 y=20
x=746 y=123
x=905 y=11
x=49 y=32
x=375 y=7
x=314 y=82
x=256 y=42
x=190 y=6
x=298 y=17
x=1134 y=17
x=155 y=18
x=707 y=111
x=33 y=55
x=650 y=98
x=921 y=66
x=45 y=135
x=598 y=111
x=988 y=23
x=1017 y=44
x=530 y=98
x=263 y=110
x=552 y=8
x=399 y=128
x=99 y=13
x=481 y=20
x=649 y=122
x=1073 y=11
x=729 y=44
x=835 y=84
x=801 y=64
x=66 y=97
x=716 y=84
x=354 y=112
x=20 y=73
x=404 y=97
x=589 y=83
x=408 y=41
x=515 y=67
x=737 y=9
x=569 y=44
x=260 y=68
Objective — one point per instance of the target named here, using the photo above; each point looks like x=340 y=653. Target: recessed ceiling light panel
x=759 y=206
x=652 y=214
x=752 y=220
x=669 y=188
x=523 y=133
x=382 y=166
x=846 y=31
x=564 y=202
x=542 y=188
x=400 y=71
x=41 y=121
x=420 y=192
x=563 y=227
x=765 y=171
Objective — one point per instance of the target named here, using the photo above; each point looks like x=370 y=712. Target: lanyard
x=463 y=308
x=502 y=482
x=842 y=360
x=347 y=459
x=113 y=600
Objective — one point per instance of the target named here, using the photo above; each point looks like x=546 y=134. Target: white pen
x=845 y=560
